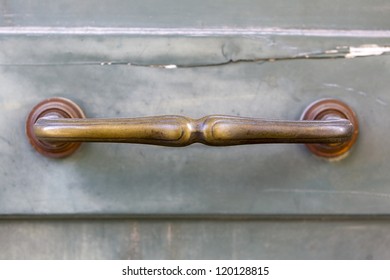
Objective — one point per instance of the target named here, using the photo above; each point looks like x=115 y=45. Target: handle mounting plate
x=55 y=107
x=326 y=109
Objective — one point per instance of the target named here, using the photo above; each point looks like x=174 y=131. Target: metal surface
x=332 y=109
x=53 y=108
x=51 y=128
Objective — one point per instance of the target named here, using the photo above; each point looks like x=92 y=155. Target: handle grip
x=57 y=122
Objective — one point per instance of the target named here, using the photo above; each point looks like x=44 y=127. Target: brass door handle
x=57 y=125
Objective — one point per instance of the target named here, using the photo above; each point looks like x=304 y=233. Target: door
x=257 y=59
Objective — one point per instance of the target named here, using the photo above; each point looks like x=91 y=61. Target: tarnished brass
x=56 y=107
x=178 y=131
x=331 y=109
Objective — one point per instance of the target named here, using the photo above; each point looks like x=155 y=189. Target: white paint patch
x=380 y=101
x=367 y=50
x=362 y=93
x=170 y=66
x=350 y=89
x=332 y=85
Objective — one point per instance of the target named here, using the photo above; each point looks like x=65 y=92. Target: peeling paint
x=353 y=90
x=170 y=66
x=350 y=89
x=362 y=93
x=380 y=101
x=367 y=50
x=336 y=52
x=332 y=85
x=352 y=51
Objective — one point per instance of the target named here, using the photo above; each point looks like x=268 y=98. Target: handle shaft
x=56 y=127
x=178 y=131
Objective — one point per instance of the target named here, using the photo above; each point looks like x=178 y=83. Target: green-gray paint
x=266 y=59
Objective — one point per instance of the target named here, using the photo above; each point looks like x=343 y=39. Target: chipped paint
x=353 y=90
x=331 y=51
x=380 y=101
x=367 y=50
x=332 y=85
x=362 y=93
x=350 y=89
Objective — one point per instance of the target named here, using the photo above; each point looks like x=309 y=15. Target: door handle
x=57 y=126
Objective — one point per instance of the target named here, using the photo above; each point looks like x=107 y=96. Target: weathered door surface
x=262 y=59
